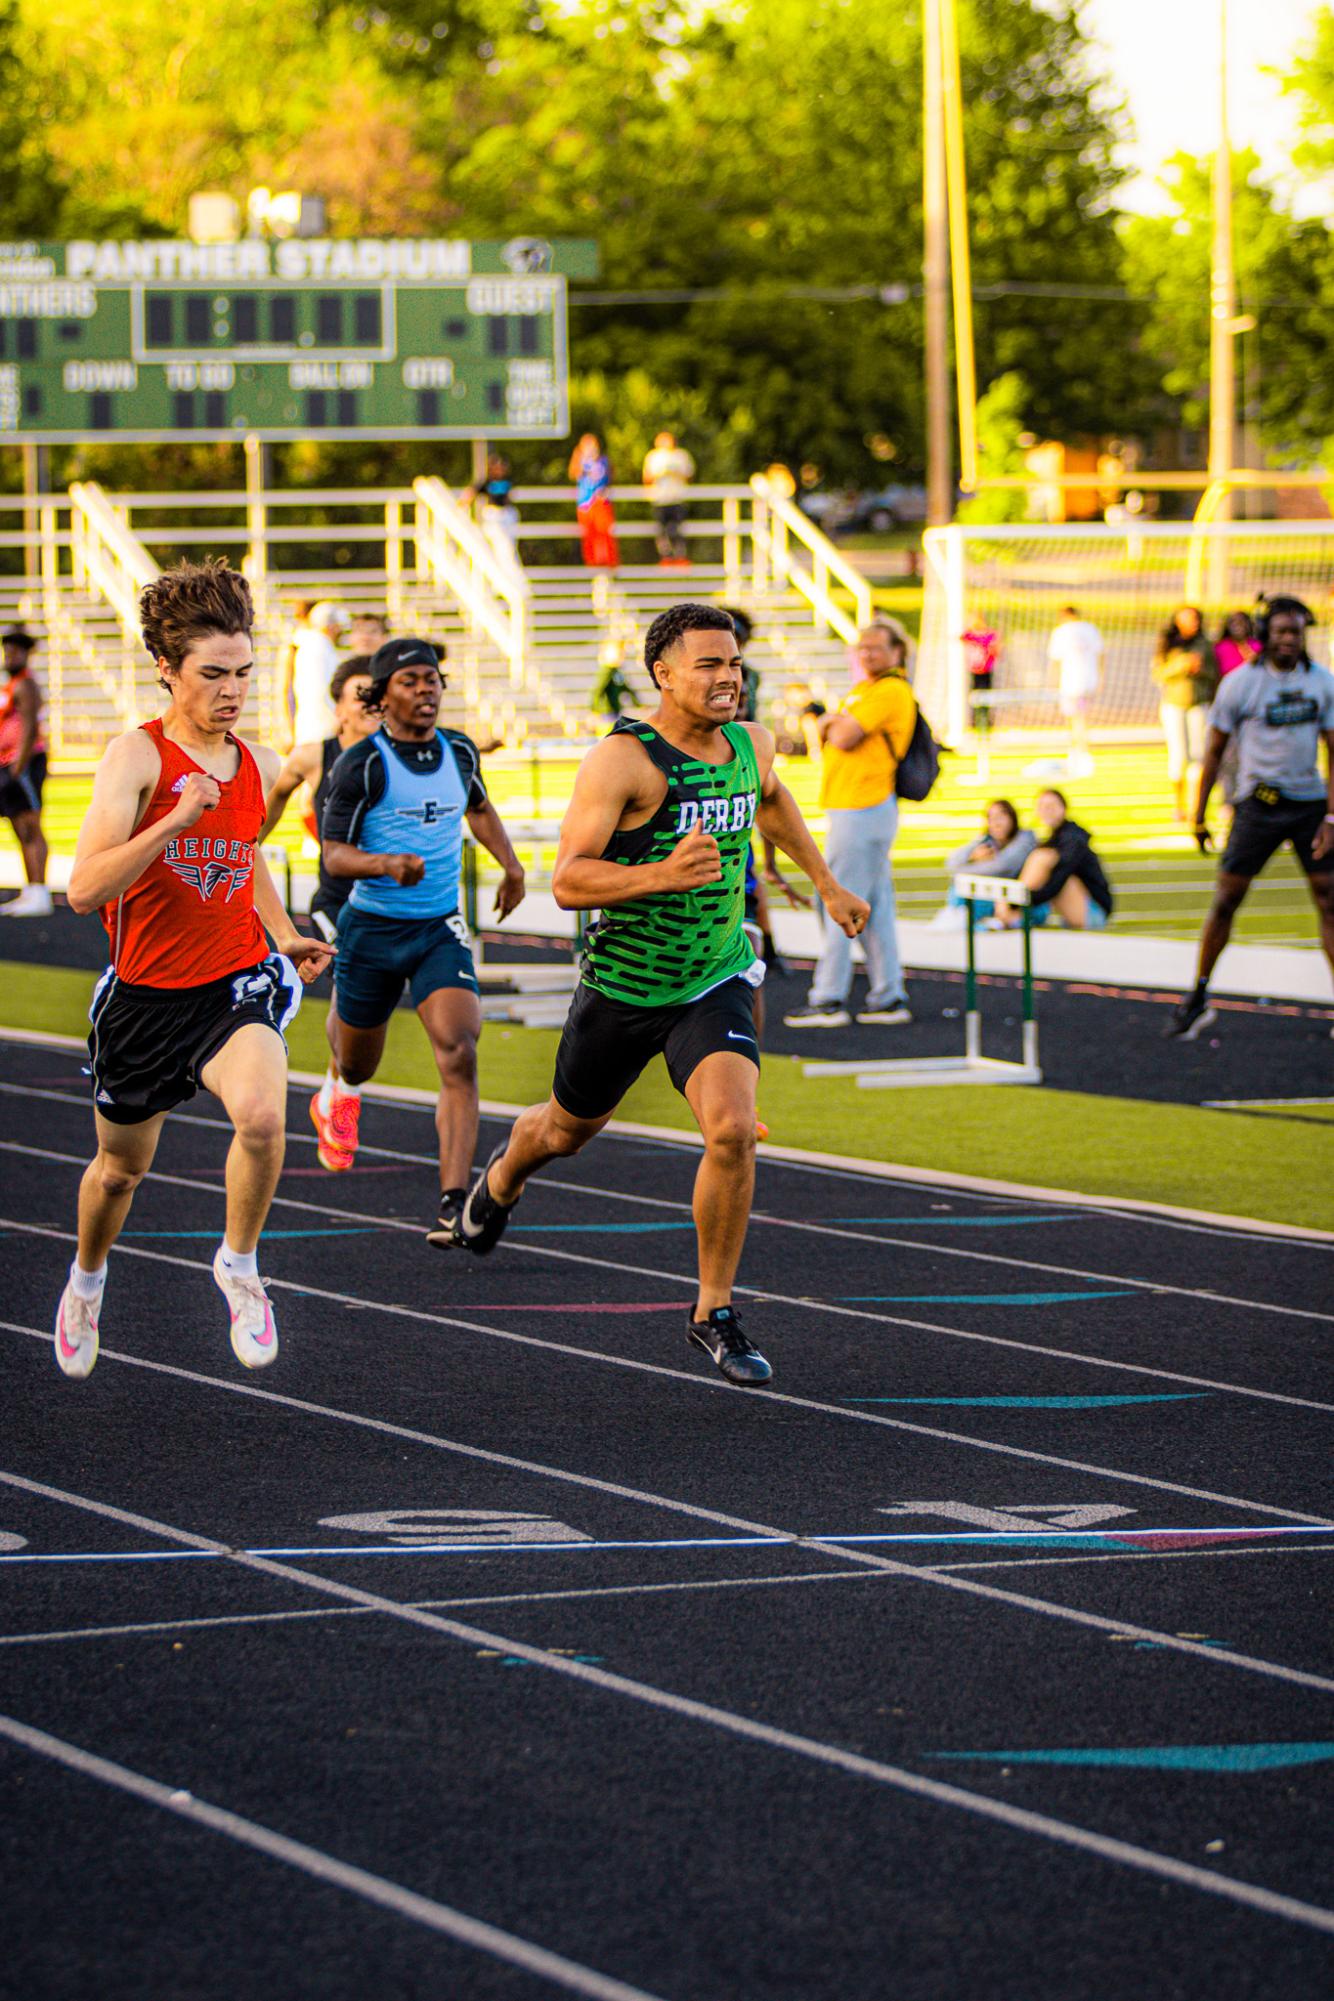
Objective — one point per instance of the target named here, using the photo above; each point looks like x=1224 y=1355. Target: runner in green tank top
x=655 y=839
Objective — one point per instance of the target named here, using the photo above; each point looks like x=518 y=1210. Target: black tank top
x=334 y=890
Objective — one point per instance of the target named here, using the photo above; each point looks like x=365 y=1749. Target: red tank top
x=11 y=722
x=190 y=918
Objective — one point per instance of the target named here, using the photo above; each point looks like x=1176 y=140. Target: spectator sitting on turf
x=1063 y=873
x=1001 y=851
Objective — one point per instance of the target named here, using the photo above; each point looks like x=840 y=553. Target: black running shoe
x=445 y=1234
x=1190 y=1017
x=482 y=1219
x=723 y=1342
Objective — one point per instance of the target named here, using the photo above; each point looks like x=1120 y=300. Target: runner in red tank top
x=23 y=771
x=169 y=855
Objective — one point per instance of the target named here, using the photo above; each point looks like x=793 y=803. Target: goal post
x=1015 y=580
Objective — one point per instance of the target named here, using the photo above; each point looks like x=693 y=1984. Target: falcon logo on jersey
x=209 y=877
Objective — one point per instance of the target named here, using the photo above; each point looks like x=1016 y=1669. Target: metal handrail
x=777 y=523
x=106 y=553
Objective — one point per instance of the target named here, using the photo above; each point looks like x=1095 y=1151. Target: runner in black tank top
x=656 y=838
x=311 y=765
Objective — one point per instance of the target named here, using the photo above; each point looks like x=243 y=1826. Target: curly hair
x=191 y=602
x=347 y=670
x=672 y=625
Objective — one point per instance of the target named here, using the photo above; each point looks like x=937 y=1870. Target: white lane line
x=863 y=1558
x=1314 y=1240
x=1148 y=1555
x=299 y=1855
x=441 y=1605
x=1022 y=1820
x=762 y=1294
x=843 y=1166
x=768 y=1397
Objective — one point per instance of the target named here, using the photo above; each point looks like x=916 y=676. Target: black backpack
x=919 y=767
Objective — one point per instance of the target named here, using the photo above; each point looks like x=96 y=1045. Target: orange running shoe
x=761 y=1129
x=338 y=1131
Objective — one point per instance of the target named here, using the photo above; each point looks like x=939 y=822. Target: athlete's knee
x=117 y=1177
x=1228 y=899
x=730 y=1132
x=259 y=1124
x=561 y=1134
x=456 y=1059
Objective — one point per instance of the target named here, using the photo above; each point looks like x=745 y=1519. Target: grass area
x=1055 y=1139
x=1161 y=880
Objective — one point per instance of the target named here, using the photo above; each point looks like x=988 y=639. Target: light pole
x=936 y=273
x=1222 y=291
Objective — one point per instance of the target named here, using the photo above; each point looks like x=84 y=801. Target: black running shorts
x=20 y=794
x=1259 y=831
x=607 y=1043
x=149 y=1044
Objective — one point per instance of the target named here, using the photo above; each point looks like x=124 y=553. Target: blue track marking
x=1035 y=1403
x=971 y=1222
x=368 y=1230
x=1165 y=1757
x=1036 y=1538
x=971 y=1298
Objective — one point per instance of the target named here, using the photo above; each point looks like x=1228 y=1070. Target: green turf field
x=1161 y=881
x=1052 y=1139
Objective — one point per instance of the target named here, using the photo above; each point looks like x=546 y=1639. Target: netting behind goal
x=1016 y=581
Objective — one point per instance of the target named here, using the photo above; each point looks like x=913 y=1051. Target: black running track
x=488 y=1645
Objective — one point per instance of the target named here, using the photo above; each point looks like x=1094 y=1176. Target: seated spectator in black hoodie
x=1065 y=876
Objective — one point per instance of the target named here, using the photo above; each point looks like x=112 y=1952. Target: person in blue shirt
x=393 y=823
x=1279 y=709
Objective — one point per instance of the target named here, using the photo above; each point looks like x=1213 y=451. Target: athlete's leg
x=541 y=1134
x=721 y=1093
x=1322 y=890
x=360 y=1050
x=452 y=1018
x=1229 y=895
x=124 y=1156
x=28 y=833
x=249 y=1076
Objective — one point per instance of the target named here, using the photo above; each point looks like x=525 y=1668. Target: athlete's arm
x=616 y=779
x=358 y=783
x=1324 y=833
x=301 y=768
x=310 y=956
x=1213 y=758
x=779 y=820
x=489 y=829
x=110 y=855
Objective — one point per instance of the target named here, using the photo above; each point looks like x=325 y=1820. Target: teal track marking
x=599 y=1229
x=1035 y=1403
x=971 y=1298
x=367 y=1231
x=1165 y=1757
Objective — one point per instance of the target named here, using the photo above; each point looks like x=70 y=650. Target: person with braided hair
x=656 y=839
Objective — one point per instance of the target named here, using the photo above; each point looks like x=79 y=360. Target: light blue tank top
x=421 y=813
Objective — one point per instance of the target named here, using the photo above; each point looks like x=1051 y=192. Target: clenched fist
x=405 y=869
x=694 y=861
x=199 y=794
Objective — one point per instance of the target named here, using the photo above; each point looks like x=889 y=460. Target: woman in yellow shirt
x=862 y=742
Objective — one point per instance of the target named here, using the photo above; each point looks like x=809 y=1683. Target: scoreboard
x=157 y=340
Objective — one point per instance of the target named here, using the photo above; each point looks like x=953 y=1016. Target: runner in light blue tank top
x=393 y=823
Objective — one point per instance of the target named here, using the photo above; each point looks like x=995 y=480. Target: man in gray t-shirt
x=1280 y=708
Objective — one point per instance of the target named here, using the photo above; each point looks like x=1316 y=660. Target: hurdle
x=972 y=1067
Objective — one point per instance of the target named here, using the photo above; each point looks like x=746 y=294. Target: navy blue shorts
x=379 y=956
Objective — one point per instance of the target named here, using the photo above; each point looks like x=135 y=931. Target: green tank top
x=661 y=951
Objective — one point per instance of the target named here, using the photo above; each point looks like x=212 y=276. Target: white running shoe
x=254 y=1336
x=34 y=900
x=76 y=1333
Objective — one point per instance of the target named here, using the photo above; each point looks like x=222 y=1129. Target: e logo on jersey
x=717 y=816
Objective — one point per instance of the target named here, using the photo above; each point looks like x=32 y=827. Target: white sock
x=243 y=1263
x=342 y=1089
x=325 y=1099
x=87 y=1284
